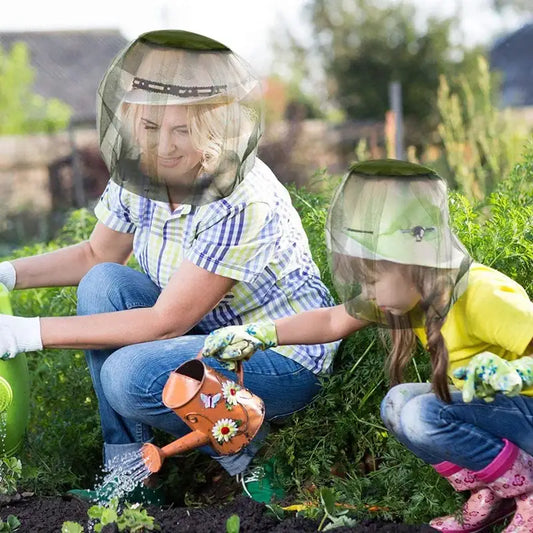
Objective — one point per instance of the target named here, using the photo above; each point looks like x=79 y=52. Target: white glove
x=19 y=334
x=8 y=275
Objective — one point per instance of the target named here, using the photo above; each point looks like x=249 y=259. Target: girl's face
x=166 y=148
x=392 y=291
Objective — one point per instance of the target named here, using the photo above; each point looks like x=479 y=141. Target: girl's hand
x=18 y=334
x=524 y=367
x=486 y=374
x=237 y=343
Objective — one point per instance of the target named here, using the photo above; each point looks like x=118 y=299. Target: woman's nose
x=166 y=143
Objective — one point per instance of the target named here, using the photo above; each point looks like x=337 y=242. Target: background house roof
x=69 y=64
x=512 y=55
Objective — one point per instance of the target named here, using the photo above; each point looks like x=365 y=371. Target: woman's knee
x=97 y=288
x=396 y=399
x=125 y=382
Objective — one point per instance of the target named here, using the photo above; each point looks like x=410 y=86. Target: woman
x=214 y=233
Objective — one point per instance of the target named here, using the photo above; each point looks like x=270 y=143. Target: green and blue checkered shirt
x=254 y=236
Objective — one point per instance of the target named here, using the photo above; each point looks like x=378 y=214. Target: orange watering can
x=219 y=411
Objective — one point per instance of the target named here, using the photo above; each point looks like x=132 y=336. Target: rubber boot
x=483 y=509
x=510 y=475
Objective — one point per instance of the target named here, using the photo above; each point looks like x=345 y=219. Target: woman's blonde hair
x=216 y=130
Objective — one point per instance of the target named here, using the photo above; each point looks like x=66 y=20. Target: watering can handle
x=238 y=370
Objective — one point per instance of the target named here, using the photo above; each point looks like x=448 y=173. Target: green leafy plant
x=71 y=527
x=22 y=110
x=131 y=518
x=333 y=516
x=10 y=473
x=481 y=142
x=12 y=523
x=233 y=524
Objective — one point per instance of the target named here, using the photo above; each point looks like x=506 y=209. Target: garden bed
x=46 y=515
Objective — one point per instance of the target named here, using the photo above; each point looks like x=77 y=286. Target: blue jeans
x=467 y=434
x=129 y=381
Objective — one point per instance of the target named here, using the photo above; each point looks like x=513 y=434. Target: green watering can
x=14 y=393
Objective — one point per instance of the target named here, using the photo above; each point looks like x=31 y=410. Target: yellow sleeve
x=500 y=312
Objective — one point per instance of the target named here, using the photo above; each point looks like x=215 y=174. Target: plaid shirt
x=254 y=236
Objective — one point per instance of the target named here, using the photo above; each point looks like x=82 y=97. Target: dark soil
x=46 y=515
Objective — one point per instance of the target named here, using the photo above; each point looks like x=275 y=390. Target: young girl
x=396 y=262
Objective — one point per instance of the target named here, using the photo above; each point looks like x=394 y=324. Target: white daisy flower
x=224 y=430
x=230 y=389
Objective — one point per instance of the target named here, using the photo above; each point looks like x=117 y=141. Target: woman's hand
x=487 y=373
x=18 y=334
x=8 y=275
x=237 y=343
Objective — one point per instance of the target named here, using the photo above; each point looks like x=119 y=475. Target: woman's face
x=167 y=152
x=392 y=290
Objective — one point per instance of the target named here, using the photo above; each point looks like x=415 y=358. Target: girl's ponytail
x=438 y=355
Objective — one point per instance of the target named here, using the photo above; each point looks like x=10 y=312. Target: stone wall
x=24 y=167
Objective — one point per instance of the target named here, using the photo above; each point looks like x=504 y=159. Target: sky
x=246 y=26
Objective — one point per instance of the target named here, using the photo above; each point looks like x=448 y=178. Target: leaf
x=340 y=521
x=233 y=524
x=71 y=527
x=327 y=497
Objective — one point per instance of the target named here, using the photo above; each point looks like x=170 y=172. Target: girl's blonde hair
x=435 y=300
x=435 y=287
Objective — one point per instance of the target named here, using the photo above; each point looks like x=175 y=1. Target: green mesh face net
x=179 y=118
x=393 y=257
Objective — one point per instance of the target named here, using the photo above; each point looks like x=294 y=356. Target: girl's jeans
x=129 y=381
x=467 y=434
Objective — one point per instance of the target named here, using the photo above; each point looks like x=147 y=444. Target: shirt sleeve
x=113 y=209
x=239 y=245
x=500 y=313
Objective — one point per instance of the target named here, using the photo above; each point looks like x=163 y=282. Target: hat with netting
x=169 y=89
x=387 y=213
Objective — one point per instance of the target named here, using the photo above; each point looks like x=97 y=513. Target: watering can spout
x=154 y=456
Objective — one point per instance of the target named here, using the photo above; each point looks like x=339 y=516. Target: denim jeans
x=129 y=381
x=467 y=434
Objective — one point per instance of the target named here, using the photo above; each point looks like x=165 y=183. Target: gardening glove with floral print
x=237 y=343
x=486 y=374
x=524 y=367
x=8 y=275
x=19 y=334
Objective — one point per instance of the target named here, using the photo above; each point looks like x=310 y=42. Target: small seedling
x=10 y=472
x=233 y=524
x=12 y=523
x=332 y=513
x=132 y=518
x=71 y=527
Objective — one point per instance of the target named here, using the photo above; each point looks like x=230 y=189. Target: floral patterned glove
x=524 y=367
x=486 y=374
x=237 y=343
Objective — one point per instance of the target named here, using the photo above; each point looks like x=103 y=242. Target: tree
x=22 y=111
x=365 y=44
